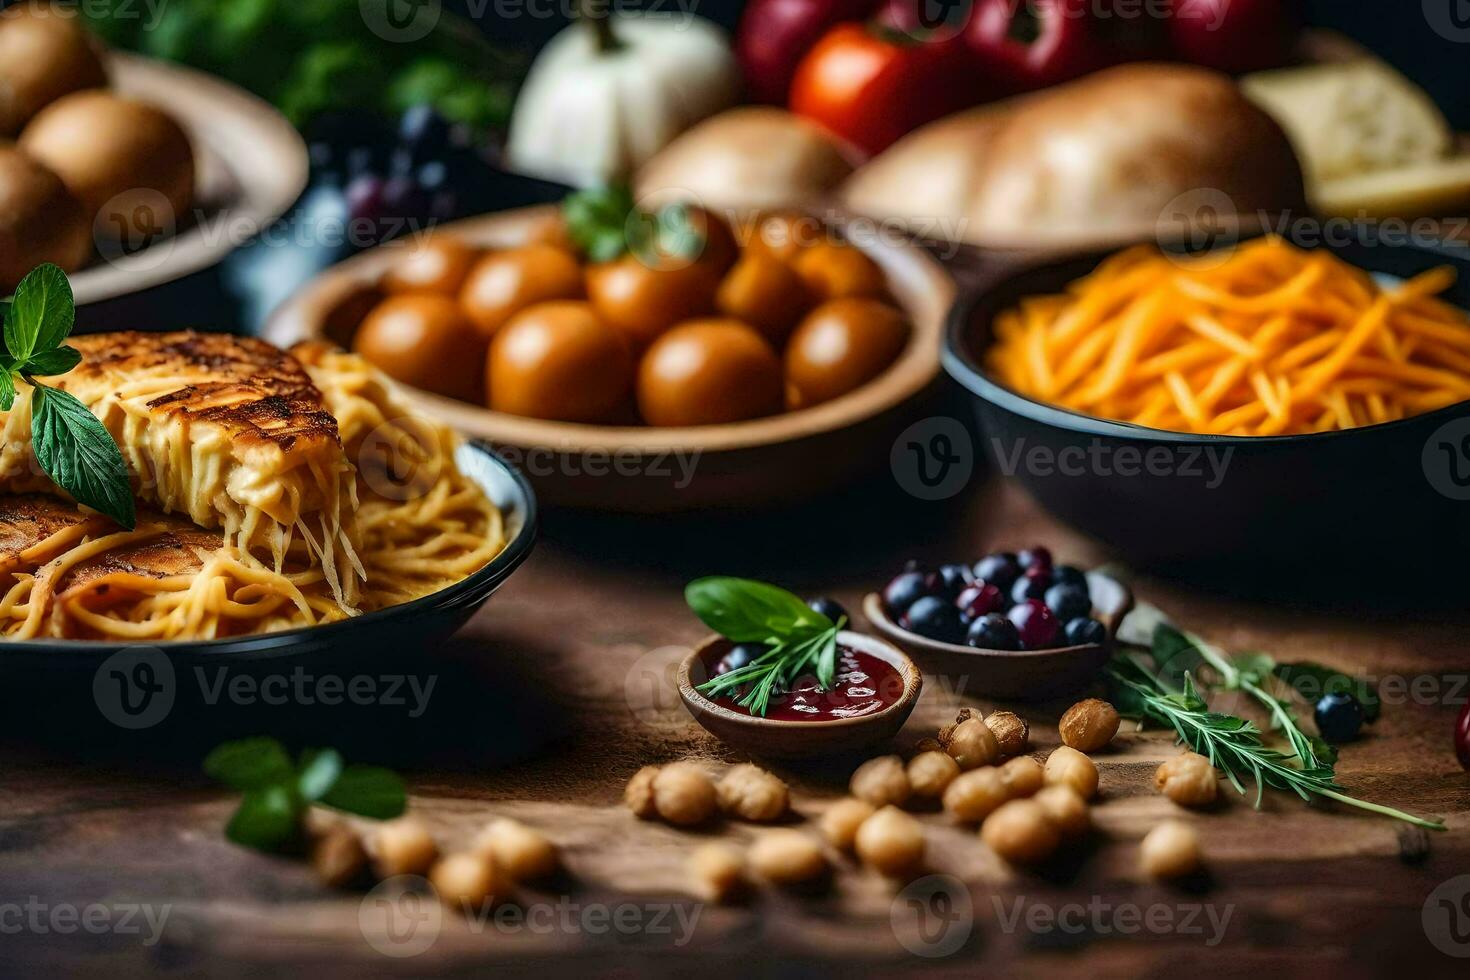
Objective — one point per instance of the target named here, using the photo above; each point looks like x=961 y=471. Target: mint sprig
x=606 y=223
x=799 y=638
x=71 y=445
x=276 y=792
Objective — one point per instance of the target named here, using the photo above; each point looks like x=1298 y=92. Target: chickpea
x=1068 y=767
x=1188 y=779
x=638 y=794
x=1089 y=725
x=787 y=857
x=881 y=781
x=972 y=745
x=751 y=793
x=436 y=264
x=521 y=852
x=947 y=732
x=833 y=271
x=1020 y=832
x=402 y=847
x=467 y=880
x=718 y=871
x=498 y=286
x=929 y=744
x=683 y=794
x=784 y=234
x=930 y=772
x=1022 y=776
x=840 y=822
x=1011 y=732
x=338 y=857
x=974 y=795
x=1066 y=810
x=1170 y=850
x=891 y=842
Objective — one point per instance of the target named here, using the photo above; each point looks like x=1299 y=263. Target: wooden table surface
x=113 y=859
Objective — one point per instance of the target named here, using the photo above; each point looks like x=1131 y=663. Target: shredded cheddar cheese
x=1272 y=340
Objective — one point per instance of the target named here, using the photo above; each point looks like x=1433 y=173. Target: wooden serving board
x=554 y=695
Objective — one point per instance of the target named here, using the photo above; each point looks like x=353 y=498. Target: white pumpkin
x=587 y=116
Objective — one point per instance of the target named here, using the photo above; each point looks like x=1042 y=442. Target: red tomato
x=1462 y=737
x=774 y=35
x=870 y=84
x=1235 y=35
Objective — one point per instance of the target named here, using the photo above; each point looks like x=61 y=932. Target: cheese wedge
x=1438 y=187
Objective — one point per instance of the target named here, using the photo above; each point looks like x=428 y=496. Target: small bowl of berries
x=1012 y=625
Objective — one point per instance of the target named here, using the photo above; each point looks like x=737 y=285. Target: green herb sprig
x=1232 y=744
x=277 y=792
x=70 y=443
x=799 y=638
x=606 y=223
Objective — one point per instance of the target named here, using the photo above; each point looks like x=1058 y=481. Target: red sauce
x=863 y=685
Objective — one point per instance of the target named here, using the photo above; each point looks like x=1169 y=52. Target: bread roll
x=39 y=220
x=1111 y=157
x=753 y=157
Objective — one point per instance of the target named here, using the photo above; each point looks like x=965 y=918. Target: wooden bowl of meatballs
x=776 y=361
x=128 y=173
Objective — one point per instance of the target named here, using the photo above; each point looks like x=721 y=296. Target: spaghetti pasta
x=418 y=524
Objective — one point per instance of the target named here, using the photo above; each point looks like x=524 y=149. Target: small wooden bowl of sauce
x=874 y=693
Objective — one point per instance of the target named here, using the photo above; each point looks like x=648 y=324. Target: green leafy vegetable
x=1312 y=680
x=606 y=224
x=1232 y=744
x=276 y=793
x=71 y=444
x=799 y=638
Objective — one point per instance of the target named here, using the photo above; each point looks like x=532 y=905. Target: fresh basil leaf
x=1312 y=680
x=78 y=453
x=250 y=763
x=1253 y=667
x=267 y=818
x=597 y=221
x=7 y=389
x=319 y=771
x=748 y=611
x=49 y=364
x=1174 y=653
x=368 y=791
x=42 y=313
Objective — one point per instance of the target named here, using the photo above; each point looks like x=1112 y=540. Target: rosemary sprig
x=799 y=638
x=1232 y=744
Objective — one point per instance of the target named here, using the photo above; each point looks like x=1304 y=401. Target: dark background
x=1397 y=30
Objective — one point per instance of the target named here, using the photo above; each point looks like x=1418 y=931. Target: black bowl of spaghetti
x=289 y=505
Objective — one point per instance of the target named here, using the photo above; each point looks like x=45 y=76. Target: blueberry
x=1029 y=587
x=1339 y=717
x=829 y=607
x=993 y=632
x=955 y=578
x=423 y=131
x=1068 y=601
x=936 y=618
x=906 y=589
x=1036 y=624
x=1067 y=574
x=739 y=656
x=999 y=569
x=1083 y=630
x=1037 y=557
